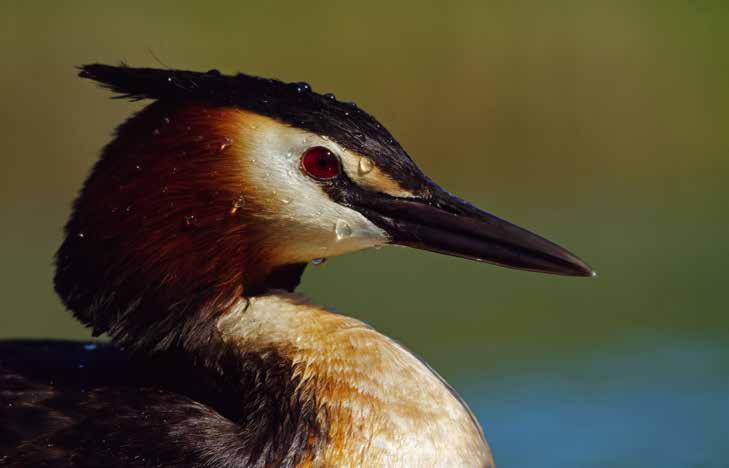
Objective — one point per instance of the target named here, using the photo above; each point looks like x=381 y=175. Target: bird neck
x=374 y=401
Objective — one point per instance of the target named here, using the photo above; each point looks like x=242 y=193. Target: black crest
x=292 y=103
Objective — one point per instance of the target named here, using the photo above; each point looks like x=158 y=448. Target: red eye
x=320 y=163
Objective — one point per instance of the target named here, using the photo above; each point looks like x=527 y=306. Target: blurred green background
x=602 y=125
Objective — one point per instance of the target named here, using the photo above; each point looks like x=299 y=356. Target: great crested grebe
x=185 y=246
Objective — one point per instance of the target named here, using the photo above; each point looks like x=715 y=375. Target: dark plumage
x=292 y=103
x=91 y=405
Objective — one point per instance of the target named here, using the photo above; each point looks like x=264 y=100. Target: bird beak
x=446 y=224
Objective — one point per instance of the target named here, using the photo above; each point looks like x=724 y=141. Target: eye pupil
x=320 y=163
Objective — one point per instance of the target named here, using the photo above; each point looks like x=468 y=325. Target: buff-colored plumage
x=385 y=407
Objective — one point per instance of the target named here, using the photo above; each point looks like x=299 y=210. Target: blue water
x=657 y=403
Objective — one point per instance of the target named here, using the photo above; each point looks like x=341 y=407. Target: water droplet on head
x=190 y=221
x=301 y=87
x=342 y=229
x=226 y=144
x=318 y=261
x=166 y=121
x=240 y=201
x=81 y=235
x=365 y=166
x=330 y=96
x=155 y=132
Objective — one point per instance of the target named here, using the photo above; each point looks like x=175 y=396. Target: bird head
x=225 y=187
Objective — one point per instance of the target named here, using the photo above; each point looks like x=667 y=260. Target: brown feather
x=161 y=240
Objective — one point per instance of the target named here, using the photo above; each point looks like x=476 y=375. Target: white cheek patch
x=307 y=222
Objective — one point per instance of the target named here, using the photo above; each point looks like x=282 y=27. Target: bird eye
x=320 y=163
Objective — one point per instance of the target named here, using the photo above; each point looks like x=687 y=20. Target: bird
x=185 y=247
